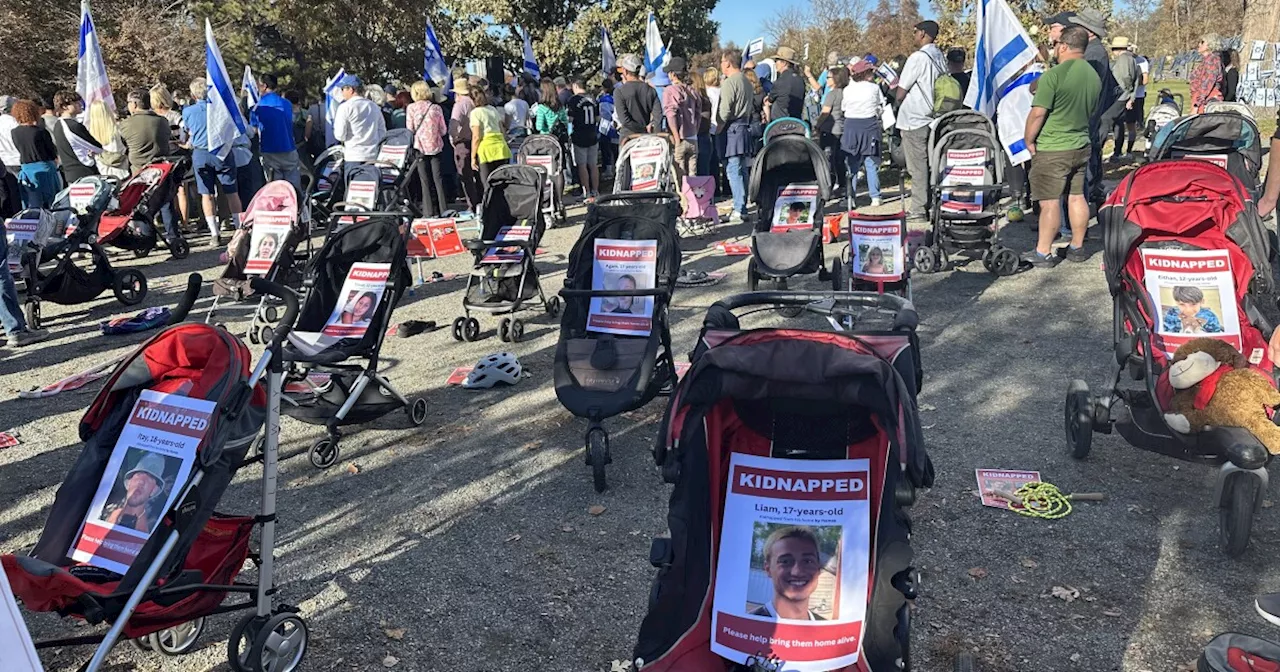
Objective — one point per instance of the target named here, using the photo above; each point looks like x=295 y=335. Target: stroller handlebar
x=658 y=196
x=821 y=302
x=188 y=299
x=286 y=295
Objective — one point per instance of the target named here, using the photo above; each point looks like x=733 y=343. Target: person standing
x=915 y=113
x=212 y=171
x=38 y=179
x=11 y=318
x=862 y=103
x=830 y=125
x=1206 y=76
x=1109 y=106
x=704 y=143
x=425 y=118
x=1124 y=68
x=711 y=78
x=608 y=129
x=1057 y=135
x=786 y=96
x=1230 y=74
x=273 y=117
x=489 y=149
x=359 y=125
x=146 y=137
x=584 y=120
x=549 y=115
x=563 y=93
x=636 y=106
x=460 y=134
x=517 y=110
x=76 y=148
x=682 y=108
x=1135 y=116
x=112 y=161
x=734 y=119
x=163 y=105
x=8 y=153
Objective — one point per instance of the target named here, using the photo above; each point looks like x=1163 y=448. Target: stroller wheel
x=142 y=643
x=471 y=330
x=988 y=260
x=838 y=281
x=324 y=453
x=33 y=314
x=1235 y=512
x=270 y=314
x=753 y=280
x=1004 y=262
x=280 y=645
x=504 y=329
x=253 y=336
x=179 y=640
x=130 y=286
x=240 y=643
x=179 y=248
x=598 y=457
x=553 y=306
x=965 y=663
x=925 y=260
x=517 y=330
x=139 y=254
x=457 y=328
x=1079 y=419
x=417 y=411
x=266 y=333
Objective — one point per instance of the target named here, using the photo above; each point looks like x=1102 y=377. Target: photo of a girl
x=359 y=308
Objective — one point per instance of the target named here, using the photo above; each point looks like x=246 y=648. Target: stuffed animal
x=1214 y=386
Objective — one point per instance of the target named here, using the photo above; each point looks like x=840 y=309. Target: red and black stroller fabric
x=131 y=225
x=780 y=250
x=210 y=364
x=797 y=395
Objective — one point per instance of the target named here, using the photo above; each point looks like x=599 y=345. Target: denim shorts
x=212 y=171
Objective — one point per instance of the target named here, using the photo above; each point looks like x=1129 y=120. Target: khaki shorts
x=1057 y=174
x=586 y=156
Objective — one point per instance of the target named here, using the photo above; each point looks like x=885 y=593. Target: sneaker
x=917 y=218
x=215 y=240
x=735 y=217
x=1076 y=254
x=1033 y=258
x=875 y=202
x=1268 y=607
x=19 y=339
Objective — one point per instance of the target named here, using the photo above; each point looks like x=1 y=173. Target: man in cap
x=358 y=125
x=682 y=107
x=635 y=104
x=8 y=151
x=143 y=483
x=1124 y=67
x=1109 y=108
x=786 y=97
x=915 y=112
x=734 y=129
x=562 y=91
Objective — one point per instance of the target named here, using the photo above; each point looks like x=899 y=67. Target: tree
x=824 y=25
x=894 y=21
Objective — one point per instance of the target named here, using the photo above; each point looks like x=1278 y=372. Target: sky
x=743 y=20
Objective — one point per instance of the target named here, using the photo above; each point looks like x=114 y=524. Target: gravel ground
x=467 y=544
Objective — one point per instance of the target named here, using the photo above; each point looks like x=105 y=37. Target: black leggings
x=431 y=177
x=485 y=169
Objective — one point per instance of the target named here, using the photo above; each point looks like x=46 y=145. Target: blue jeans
x=39 y=183
x=872 y=166
x=11 y=317
x=706 y=158
x=737 y=167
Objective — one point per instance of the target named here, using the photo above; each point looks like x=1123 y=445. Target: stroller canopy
x=541 y=144
x=786 y=126
x=277 y=196
x=789 y=159
x=514 y=192
x=1211 y=133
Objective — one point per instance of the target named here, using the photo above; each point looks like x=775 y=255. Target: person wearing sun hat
x=1108 y=109
x=786 y=98
x=915 y=112
x=1124 y=67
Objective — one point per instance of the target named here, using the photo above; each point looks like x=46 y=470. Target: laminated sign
x=359 y=298
x=269 y=235
x=510 y=253
x=644 y=168
x=81 y=196
x=877 y=248
x=623 y=265
x=1194 y=293
x=20 y=232
x=964 y=167
x=795 y=208
x=794 y=560
x=363 y=193
x=145 y=474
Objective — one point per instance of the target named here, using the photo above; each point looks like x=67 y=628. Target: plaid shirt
x=1206 y=81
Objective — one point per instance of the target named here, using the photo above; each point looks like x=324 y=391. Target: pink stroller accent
x=698 y=195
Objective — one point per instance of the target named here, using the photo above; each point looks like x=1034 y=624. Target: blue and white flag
x=530 y=61
x=331 y=103
x=91 y=70
x=249 y=85
x=608 y=62
x=1004 y=49
x=224 y=121
x=655 y=53
x=754 y=48
x=1014 y=107
x=434 y=67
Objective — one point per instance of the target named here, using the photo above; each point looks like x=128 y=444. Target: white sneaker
x=735 y=217
x=875 y=202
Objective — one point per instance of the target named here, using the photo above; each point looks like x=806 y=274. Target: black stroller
x=504 y=275
x=397 y=166
x=966 y=181
x=1228 y=139
x=179 y=574
x=545 y=152
x=324 y=185
x=609 y=360
x=353 y=284
x=790 y=183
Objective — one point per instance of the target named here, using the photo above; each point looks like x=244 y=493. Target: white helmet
x=501 y=367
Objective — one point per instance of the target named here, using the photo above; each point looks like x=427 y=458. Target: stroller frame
x=553 y=199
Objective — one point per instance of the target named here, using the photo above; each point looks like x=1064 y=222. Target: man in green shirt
x=1057 y=135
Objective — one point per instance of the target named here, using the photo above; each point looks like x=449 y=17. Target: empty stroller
x=786 y=126
x=790 y=183
x=545 y=152
x=698 y=194
x=1228 y=139
x=1181 y=232
x=614 y=353
x=875 y=258
x=131 y=225
x=966 y=179
x=270 y=230
x=353 y=284
x=324 y=185
x=504 y=275
x=133 y=538
x=777 y=417
x=1167 y=108
x=645 y=163
x=396 y=163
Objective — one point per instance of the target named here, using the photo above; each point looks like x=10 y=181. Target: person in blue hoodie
x=1190 y=316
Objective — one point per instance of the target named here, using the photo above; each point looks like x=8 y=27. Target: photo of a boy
x=1189 y=315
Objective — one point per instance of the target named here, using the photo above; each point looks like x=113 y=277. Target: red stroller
x=131 y=225
x=797 y=400
x=1181 y=232
x=157 y=566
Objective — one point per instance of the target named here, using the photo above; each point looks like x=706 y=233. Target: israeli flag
x=1004 y=49
x=331 y=103
x=91 y=70
x=608 y=63
x=434 y=67
x=224 y=121
x=249 y=85
x=530 y=62
x=1014 y=107
x=754 y=48
x=655 y=53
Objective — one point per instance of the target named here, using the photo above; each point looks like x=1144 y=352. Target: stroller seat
x=785 y=252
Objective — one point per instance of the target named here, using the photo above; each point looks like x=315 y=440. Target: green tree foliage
x=824 y=25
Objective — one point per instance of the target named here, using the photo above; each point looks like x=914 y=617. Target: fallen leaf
x=978 y=572
x=1090 y=598
x=514 y=537
x=566 y=528
x=1029 y=563
x=928 y=407
x=1075 y=657
x=1065 y=593
x=1114 y=613
x=532 y=445
x=394 y=633
x=1266 y=503
x=353 y=468
x=620 y=666
x=596 y=509
x=390 y=661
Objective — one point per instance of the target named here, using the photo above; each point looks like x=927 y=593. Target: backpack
x=947 y=96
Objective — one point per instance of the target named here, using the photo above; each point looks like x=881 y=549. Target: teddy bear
x=1214 y=386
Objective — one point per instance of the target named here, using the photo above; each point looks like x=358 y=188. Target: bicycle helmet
x=501 y=367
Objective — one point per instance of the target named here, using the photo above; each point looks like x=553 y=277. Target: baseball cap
x=349 y=81
x=929 y=28
x=677 y=65
x=955 y=55
x=1061 y=18
x=630 y=63
x=6 y=103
